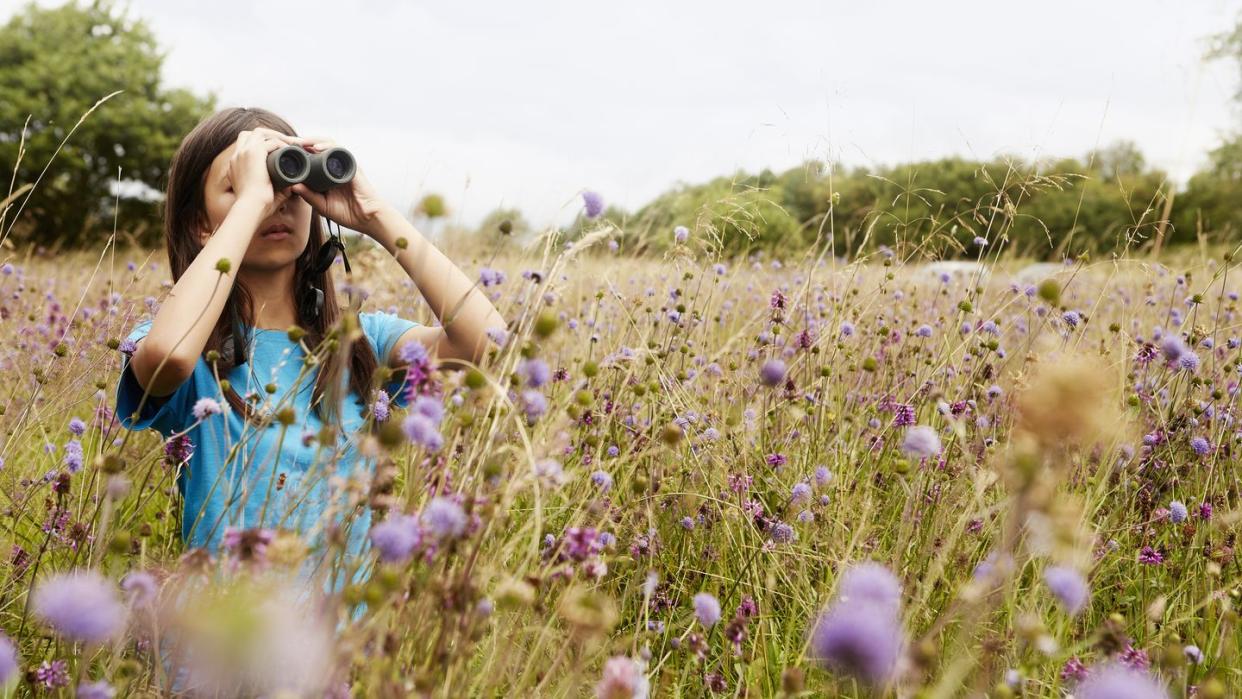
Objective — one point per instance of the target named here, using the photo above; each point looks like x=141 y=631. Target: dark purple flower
x=1150 y=556
x=53 y=675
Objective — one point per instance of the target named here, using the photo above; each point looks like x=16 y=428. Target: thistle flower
x=80 y=606
x=921 y=441
x=1069 y=587
x=706 y=609
x=1116 y=681
x=205 y=407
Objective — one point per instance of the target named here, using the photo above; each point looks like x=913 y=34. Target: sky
x=525 y=104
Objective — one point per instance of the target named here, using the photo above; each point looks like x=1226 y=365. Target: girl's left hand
x=354 y=205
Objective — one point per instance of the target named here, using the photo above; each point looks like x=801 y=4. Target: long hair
x=185 y=213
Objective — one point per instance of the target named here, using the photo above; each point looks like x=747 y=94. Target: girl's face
x=264 y=254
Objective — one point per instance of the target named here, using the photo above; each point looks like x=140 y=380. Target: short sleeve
x=167 y=414
x=384 y=329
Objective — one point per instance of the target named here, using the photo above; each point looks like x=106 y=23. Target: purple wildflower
x=1178 y=512
x=855 y=640
x=622 y=679
x=420 y=430
x=205 y=407
x=8 y=660
x=681 y=234
x=921 y=441
x=1069 y=587
x=95 y=690
x=141 y=586
x=444 y=518
x=772 y=372
x=535 y=371
x=491 y=277
x=872 y=583
x=706 y=609
x=73 y=456
x=396 y=537
x=1150 y=556
x=1116 y=681
x=380 y=407
x=53 y=675
x=593 y=202
x=1200 y=445
x=80 y=606
x=76 y=427
x=1188 y=362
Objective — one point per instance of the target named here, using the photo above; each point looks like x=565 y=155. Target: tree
x=55 y=64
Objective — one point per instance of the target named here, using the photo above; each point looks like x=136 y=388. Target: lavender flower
x=535 y=371
x=444 y=518
x=1116 y=681
x=1069 y=587
x=706 y=609
x=593 y=202
x=921 y=441
x=76 y=427
x=80 y=606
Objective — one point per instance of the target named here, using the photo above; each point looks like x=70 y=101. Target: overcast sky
x=526 y=103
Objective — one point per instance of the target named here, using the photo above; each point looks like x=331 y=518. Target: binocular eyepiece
x=320 y=171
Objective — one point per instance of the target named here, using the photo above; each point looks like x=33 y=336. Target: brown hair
x=185 y=213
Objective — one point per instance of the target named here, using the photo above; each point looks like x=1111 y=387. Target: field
x=680 y=477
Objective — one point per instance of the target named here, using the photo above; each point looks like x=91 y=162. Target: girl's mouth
x=278 y=231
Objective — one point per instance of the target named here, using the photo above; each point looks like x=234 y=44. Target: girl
x=243 y=258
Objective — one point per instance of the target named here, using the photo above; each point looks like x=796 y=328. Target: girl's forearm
x=462 y=308
x=187 y=317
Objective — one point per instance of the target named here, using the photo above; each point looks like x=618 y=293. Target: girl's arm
x=464 y=311
x=182 y=325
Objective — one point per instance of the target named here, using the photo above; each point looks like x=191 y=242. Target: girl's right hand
x=248 y=168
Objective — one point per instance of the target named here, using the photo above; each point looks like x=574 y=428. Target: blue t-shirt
x=245 y=476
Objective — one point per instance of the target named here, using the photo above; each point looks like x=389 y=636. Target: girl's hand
x=354 y=204
x=247 y=168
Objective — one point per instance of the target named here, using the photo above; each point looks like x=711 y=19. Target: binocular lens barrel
x=321 y=171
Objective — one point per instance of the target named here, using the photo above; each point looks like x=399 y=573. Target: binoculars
x=320 y=171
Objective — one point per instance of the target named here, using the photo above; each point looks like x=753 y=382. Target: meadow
x=675 y=476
